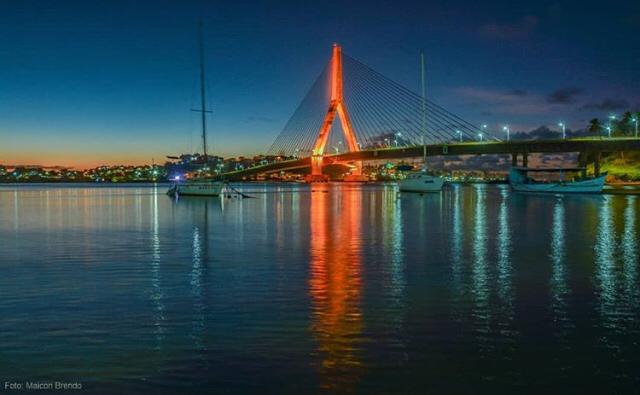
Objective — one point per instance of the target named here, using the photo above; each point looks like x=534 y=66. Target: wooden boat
x=521 y=182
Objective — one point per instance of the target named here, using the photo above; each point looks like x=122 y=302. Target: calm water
x=339 y=288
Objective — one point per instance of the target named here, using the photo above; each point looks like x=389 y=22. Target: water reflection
x=605 y=254
x=456 y=239
x=504 y=250
x=558 y=283
x=198 y=262
x=393 y=241
x=630 y=249
x=480 y=287
x=335 y=285
x=157 y=295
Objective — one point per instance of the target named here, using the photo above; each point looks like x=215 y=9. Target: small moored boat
x=521 y=182
x=421 y=181
x=200 y=187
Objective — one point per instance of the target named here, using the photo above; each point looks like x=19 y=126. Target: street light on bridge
x=398 y=135
x=610 y=127
x=609 y=130
x=506 y=129
x=459 y=134
x=480 y=135
x=562 y=125
x=635 y=121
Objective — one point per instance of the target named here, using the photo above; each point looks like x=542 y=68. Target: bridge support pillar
x=596 y=163
x=316 y=169
x=514 y=160
x=525 y=159
x=582 y=162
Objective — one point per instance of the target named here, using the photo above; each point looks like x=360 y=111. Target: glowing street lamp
x=480 y=135
x=386 y=140
x=635 y=121
x=506 y=129
x=562 y=125
x=611 y=119
x=398 y=135
x=459 y=134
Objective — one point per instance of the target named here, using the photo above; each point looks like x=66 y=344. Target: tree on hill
x=595 y=126
x=623 y=127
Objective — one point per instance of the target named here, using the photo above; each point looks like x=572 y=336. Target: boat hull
x=594 y=185
x=422 y=184
x=197 y=189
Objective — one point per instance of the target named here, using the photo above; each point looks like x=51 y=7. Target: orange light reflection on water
x=335 y=284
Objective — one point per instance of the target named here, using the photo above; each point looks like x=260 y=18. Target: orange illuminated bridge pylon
x=336 y=106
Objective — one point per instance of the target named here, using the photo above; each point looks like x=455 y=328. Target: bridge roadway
x=590 y=146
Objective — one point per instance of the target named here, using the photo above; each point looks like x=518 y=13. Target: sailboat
x=203 y=186
x=421 y=181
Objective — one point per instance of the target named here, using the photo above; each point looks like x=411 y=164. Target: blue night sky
x=90 y=82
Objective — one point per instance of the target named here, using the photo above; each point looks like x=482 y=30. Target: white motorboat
x=421 y=181
x=521 y=182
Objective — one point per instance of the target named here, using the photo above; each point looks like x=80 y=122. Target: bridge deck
x=465 y=148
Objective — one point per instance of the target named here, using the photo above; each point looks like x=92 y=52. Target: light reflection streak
x=630 y=250
x=157 y=295
x=16 y=212
x=558 y=283
x=456 y=246
x=393 y=239
x=197 y=271
x=605 y=244
x=335 y=286
x=504 y=250
x=604 y=252
x=480 y=287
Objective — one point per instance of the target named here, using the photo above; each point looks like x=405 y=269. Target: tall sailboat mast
x=203 y=99
x=424 y=110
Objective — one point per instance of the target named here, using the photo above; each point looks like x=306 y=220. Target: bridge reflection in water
x=335 y=285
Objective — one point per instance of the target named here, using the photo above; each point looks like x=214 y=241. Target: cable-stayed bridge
x=352 y=113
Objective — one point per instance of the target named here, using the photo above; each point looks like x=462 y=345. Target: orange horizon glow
x=77 y=162
x=87 y=161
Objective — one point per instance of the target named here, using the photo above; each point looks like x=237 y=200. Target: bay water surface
x=322 y=288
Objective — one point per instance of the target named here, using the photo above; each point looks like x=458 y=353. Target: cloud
x=514 y=102
x=511 y=31
x=541 y=133
x=564 y=95
x=258 y=119
x=606 y=105
x=518 y=92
